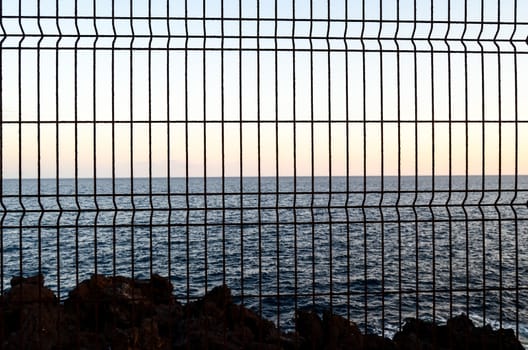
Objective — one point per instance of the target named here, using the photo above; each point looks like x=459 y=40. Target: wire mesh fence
x=362 y=157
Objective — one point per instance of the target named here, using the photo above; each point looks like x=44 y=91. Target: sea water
x=374 y=249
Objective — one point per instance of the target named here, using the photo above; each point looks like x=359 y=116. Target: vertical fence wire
x=364 y=172
x=516 y=169
x=241 y=161
x=2 y=158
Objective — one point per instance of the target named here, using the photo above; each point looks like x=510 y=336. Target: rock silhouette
x=122 y=313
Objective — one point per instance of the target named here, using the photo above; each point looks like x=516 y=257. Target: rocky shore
x=122 y=313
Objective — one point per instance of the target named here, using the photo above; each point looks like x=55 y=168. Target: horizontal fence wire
x=362 y=157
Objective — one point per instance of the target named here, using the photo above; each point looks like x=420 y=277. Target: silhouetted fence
x=362 y=157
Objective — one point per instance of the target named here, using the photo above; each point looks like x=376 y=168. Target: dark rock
x=376 y=342
x=28 y=290
x=458 y=333
x=340 y=333
x=36 y=327
x=214 y=321
x=261 y=329
x=30 y=314
x=108 y=302
x=123 y=313
x=335 y=332
x=144 y=336
x=310 y=328
x=38 y=280
x=416 y=333
x=159 y=290
x=128 y=313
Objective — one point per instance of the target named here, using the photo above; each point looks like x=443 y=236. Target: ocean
x=374 y=249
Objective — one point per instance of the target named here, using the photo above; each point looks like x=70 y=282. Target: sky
x=324 y=103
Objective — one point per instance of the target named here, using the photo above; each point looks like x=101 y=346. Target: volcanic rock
x=123 y=313
x=458 y=333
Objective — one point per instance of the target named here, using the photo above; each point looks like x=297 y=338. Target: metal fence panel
x=365 y=157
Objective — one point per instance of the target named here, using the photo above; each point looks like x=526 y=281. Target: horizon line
x=266 y=176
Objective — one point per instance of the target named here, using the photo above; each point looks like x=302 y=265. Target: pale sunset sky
x=45 y=80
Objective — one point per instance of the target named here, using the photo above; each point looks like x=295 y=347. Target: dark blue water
x=375 y=249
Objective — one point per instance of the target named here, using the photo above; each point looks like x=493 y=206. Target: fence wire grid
x=363 y=157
